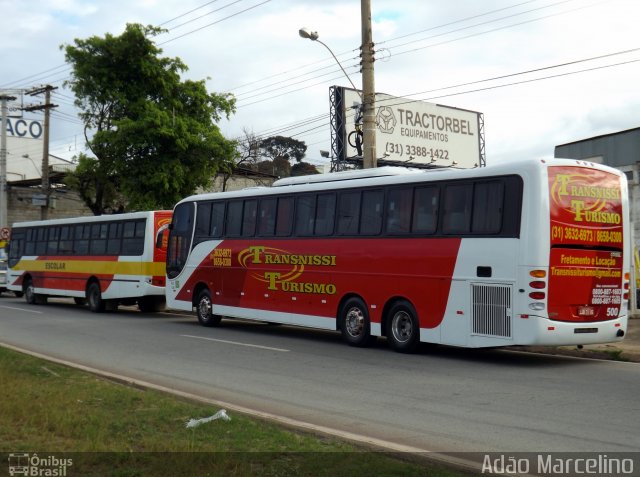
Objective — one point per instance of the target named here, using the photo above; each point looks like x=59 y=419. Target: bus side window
x=348 y=213
x=217 y=219
x=457 y=209
x=52 y=240
x=267 y=217
x=233 y=224
x=114 y=238
x=41 y=241
x=132 y=242
x=425 y=210
x=371 y=212
x=325 y=214
x=284 y=217
x=81 y=241
x=66 y=242
x=305 y=214
x=488 y=199
x=249 y=218
x=98 y=244
x=30 y=242
x=399 y=210
x=203 y=222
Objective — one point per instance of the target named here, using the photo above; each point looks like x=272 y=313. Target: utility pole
x=4 y=197
x=369 y=158
x=46 y=190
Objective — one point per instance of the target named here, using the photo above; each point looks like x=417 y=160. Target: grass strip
x=110 y=429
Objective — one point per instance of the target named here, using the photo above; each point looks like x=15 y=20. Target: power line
x=206 y=14
x=492 y=30
x=214 y=23
x=187 y=13
x=268 y=92
x=511 y=75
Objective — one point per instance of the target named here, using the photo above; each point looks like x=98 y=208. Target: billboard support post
x=3 y=162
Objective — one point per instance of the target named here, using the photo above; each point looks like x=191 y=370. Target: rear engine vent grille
x=491 y=309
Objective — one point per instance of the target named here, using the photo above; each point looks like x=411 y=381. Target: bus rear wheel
x=403 y=329
x=94 y=298
x=355 y=324
x=204 y=310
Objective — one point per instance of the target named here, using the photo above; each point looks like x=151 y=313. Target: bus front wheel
x=354 y=323
x=94 y=298
x=29 y=292
x=204 y=310
x=31 y=296
x=403 y=328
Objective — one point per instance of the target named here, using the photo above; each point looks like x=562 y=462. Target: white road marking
x=22 y=309
x=237 y=343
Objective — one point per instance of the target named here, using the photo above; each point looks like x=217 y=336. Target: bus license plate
x=586 y=311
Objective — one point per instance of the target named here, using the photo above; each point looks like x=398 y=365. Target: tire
x=355 y=325
x=80 y=301
x=204 y=310
x=94 y=298
x=403 y=328
x=29 y=292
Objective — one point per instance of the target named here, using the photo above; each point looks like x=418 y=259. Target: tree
x=283 y=147
x=96 y=186
x=153 y=135
x=273 y=155
x=304 y=169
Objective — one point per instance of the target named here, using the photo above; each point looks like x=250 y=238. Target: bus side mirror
x=160 y=233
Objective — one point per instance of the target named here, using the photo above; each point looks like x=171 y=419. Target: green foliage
x=153 y=135
x=273 y=155
x=97 y=185
x=304 y=169
x=283 y=147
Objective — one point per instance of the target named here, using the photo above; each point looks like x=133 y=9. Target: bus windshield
x=179 y=239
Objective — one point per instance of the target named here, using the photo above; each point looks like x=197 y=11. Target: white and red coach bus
x=533 y=252
x=103 y=261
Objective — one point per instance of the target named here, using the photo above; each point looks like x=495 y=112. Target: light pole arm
x=339 y=64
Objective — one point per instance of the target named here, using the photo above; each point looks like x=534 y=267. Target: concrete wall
x=64 y=203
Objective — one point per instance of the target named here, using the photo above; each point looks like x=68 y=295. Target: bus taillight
x=625 y=286
x=537 y=286
x=538 y=273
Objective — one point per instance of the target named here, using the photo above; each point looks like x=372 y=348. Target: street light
x=304 y=32
x=367 y=95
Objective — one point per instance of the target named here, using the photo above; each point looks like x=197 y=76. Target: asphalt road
x=442 y=399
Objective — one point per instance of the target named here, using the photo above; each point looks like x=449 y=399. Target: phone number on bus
x=586 y=235
x=416 y=151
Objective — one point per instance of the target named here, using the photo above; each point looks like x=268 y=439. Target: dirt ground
x=626 y=350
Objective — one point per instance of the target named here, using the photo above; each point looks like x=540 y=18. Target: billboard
x=25 y=142
x=408 y=132
x=15 y=102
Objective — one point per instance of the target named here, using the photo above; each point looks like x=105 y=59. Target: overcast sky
x=425 y=49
